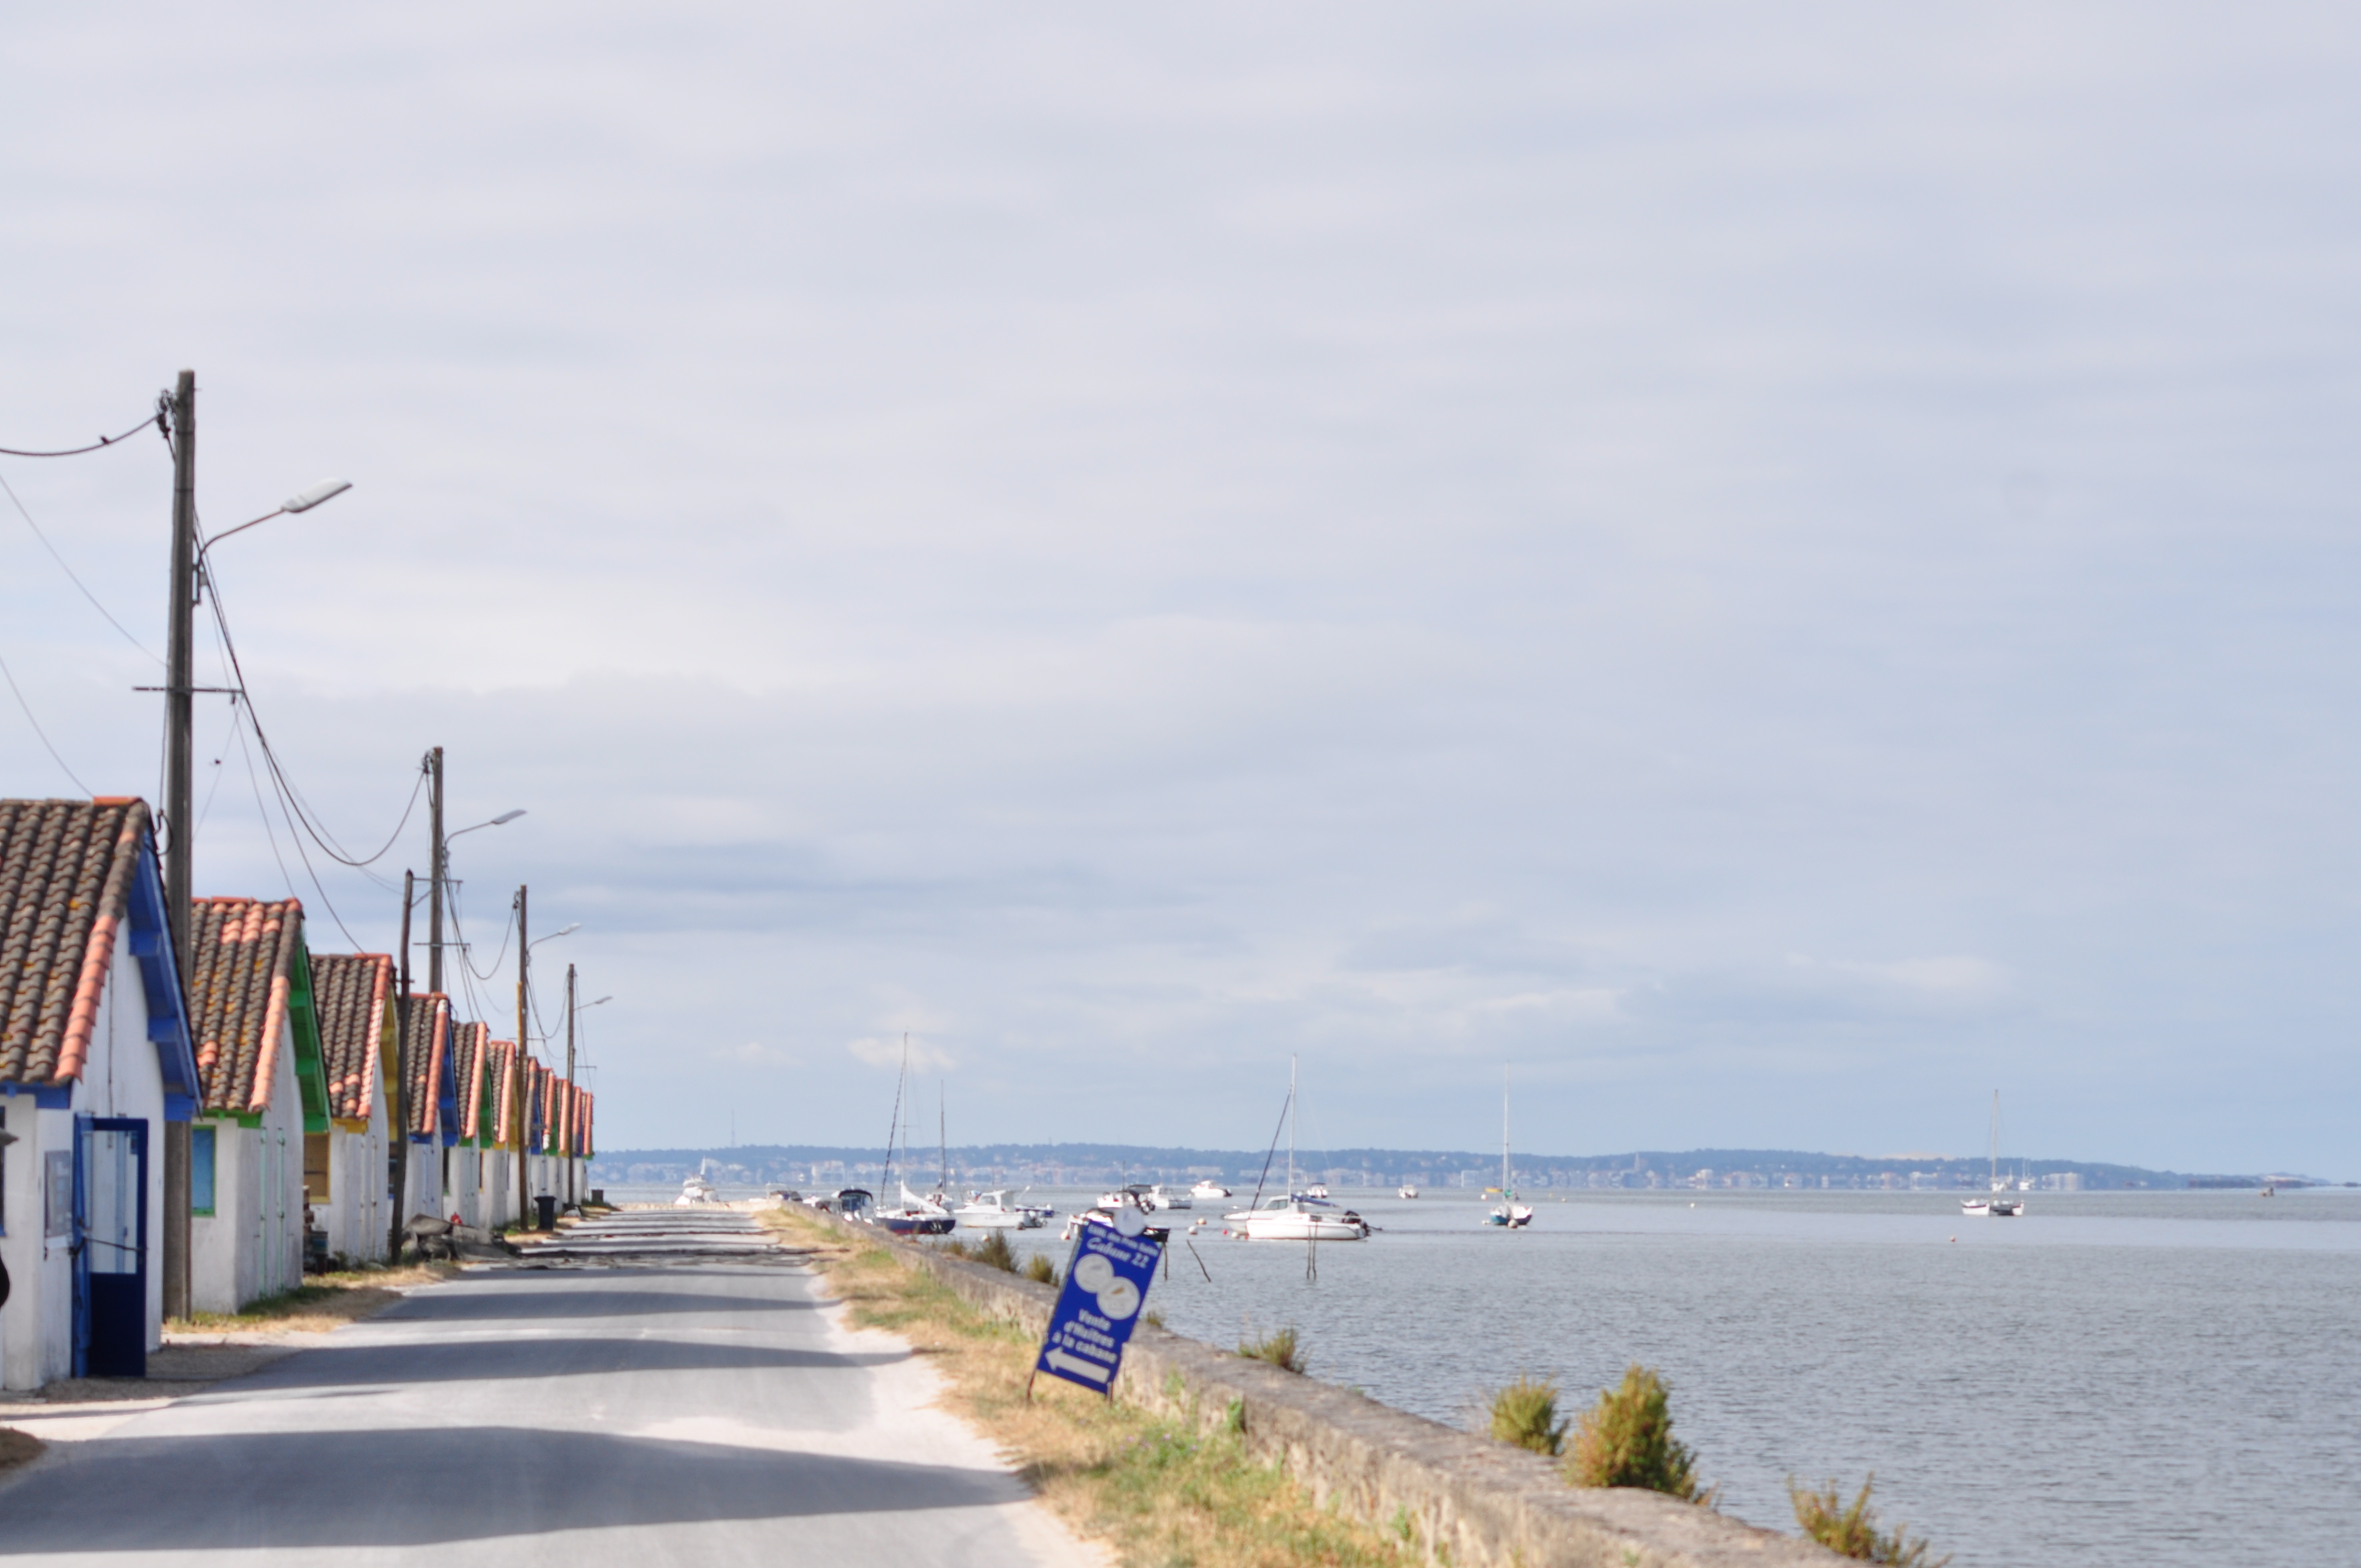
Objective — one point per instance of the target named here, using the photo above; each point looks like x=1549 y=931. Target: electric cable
x=44 y=734
x=68 y=570
x=300 y=808
x=156 y=419
x=325 y=902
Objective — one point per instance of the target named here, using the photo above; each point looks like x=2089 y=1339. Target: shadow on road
x=307 y=1489
x=524 y=1302
x=469 y=1361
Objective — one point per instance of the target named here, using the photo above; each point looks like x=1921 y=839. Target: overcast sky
x=1773 y=570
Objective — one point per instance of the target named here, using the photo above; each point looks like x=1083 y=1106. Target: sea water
x=2111 y=1381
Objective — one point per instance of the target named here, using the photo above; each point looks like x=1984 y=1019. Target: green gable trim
x=235 y=1118
x=310 y=1077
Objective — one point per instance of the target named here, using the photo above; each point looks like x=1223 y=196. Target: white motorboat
x=992 y=1211
x=695 y=1192
x=1157 y=1198
x=1408 y=1190
x=1298 y=1217
x=1209 y=1192
x=1134 y=1192
x=1304 y=1216
x=1508 y=1213
x=1994 y=1206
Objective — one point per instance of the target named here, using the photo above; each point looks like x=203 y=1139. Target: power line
x=325 y=902
x=300 y=811
x=68 y=570
x=156 y=419
x=44 y=734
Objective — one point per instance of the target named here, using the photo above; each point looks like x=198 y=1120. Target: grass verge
x=16 y=1448
x=1162 y=1494
x=322 y=1302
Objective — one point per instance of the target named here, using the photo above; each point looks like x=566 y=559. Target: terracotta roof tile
x=353 y=994
x=240 y=982
x=65 y=877
x=503 y=1088
x=425 y=1049
x=470 y=1043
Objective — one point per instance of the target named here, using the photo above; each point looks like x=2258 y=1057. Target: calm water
x=2114 y=1379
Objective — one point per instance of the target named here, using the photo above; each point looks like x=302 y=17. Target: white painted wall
x=252 y=1243
x=120 y=1078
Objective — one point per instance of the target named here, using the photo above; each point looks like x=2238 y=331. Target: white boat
x=1994 y=1206
x=695 y=1192
x=1298 y=1217
x=1508 y=1213
x=1209 y=1192
x=992 y=1211
x=1159 y=1198
x=1306 y=1216
x=1408 y=1190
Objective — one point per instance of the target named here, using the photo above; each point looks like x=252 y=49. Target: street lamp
x=572 y=1011
x=180 y=408
x=442 y=866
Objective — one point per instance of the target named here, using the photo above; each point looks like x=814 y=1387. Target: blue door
x=110 y=1246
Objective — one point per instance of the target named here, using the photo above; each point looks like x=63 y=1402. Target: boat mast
x=1994 y=1182
x=1291 y=1128
x=1504 y=1135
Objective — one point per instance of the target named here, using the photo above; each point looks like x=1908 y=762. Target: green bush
x=1525 y=1414
x=1626 y=1440
x=1040 y=1270
x=1282 y=1350
x=994 y=1252
x=1852 y=1532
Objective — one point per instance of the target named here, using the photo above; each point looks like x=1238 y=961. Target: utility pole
x=566 y=1142
x=397 y=1089
x=434 y=873
x=524 y=958
x=179 y=816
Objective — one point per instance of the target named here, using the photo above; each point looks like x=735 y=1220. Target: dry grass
x=1162 y=1494
x=322 y=1302
x=16 y=1448
x=1283 y=1348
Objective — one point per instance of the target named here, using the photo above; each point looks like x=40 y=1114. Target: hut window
x=201 y=1170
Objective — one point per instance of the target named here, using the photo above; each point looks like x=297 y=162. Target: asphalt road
x=664 y=1395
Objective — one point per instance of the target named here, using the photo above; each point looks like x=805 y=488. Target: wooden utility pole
x=566 y=1142
x=517 y=1101
x=397 y=1088
x=179 y=816
x=434 y=872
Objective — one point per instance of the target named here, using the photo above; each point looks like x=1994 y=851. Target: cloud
x=882 y=1051
x=1464 y=536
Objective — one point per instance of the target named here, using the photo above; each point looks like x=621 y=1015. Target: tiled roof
x=503 y=1088
x=469 y=1043
x=241 y=983
x=425 y=1040
x=351 y=993
x=65 y=876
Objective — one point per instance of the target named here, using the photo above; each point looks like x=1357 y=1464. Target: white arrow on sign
x=1059 y=1360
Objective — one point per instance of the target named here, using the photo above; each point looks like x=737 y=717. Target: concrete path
x=659 y=1391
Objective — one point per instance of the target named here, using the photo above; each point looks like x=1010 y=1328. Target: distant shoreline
x=1366 y=1169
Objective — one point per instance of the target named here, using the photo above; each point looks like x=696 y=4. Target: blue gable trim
x=159 y=975
x=447 y=1093
x=46 y=1096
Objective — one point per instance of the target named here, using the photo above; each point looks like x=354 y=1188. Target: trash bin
x=545 y=1212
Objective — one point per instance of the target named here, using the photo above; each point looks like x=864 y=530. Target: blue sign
x=1107 y=1284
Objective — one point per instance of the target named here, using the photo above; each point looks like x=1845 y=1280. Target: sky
x=1766 y=572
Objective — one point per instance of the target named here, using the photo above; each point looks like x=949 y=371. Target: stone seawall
x=1467 y=1501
